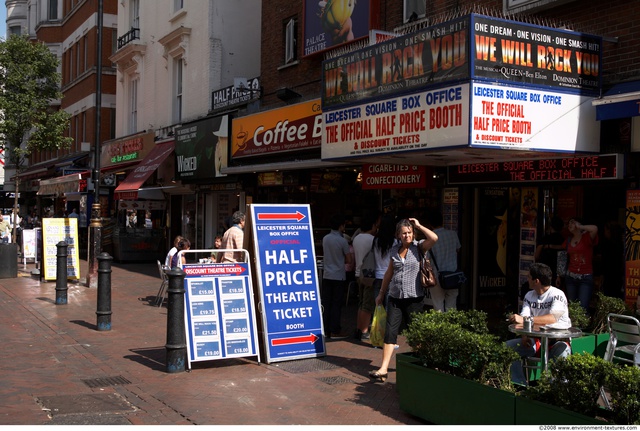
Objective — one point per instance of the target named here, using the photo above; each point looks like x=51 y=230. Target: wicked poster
x=492 y=240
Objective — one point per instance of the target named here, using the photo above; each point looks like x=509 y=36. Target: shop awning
x=621 y=101
x=283 y=166
x=33 y=173
x=144 y=170
x=73 y=183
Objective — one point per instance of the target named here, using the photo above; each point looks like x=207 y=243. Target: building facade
x=498 y=187
x=171 y=57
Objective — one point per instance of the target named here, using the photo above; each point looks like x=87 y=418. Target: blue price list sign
x=229 y=287
x=234 y=306
x=236 y=326
x=203 y=308
x=202 y=288
x=208 y=349
x=237 y=347
x=219 y=311
x=204 y=329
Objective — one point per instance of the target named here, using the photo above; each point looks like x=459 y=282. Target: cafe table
x=545 y=333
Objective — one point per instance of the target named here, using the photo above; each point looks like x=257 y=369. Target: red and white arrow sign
x=311 y=338
x=285 y=216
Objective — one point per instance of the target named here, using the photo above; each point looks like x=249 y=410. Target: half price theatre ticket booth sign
x=476 y=82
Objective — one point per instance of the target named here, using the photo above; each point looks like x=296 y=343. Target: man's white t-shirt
x=361 y=246
x=553 y=301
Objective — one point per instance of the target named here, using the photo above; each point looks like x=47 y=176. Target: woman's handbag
x=450 y=279
x=427 y=275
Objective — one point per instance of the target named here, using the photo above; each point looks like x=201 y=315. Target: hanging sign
x=219 y=310
x=288 y=281
x=388 y=176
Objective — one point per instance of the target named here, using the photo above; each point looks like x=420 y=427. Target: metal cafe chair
x=624 y=339
x=163 y=285
x=623 y=345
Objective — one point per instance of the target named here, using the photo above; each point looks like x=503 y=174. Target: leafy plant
x=457 y=342
x=604 y=306
x=578 y=315
x=574 y=383
x=30 y=85
x=623 y=386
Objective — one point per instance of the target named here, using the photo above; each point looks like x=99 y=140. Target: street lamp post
x=95 y=227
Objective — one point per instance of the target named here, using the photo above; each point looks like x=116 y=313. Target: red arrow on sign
x=311 y=338
x=297 y=216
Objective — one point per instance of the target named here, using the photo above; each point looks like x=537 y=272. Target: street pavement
x=58 y=369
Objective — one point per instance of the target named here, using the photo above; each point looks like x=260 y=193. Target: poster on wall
x=330 y=23
x=57 y=230
x=450 y=197
x=30 y=240
x=529 y=205
x=202 y=149
x=492 y=234
x=632 y=248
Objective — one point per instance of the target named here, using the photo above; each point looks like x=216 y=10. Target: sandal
x=377 y=375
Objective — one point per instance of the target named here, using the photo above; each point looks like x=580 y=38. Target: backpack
x=368 y=268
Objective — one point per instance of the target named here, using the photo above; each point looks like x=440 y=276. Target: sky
x=3 y=20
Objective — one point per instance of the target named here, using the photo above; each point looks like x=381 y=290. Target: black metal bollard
x=61 y=273
x=104 y=292
x=176 y=337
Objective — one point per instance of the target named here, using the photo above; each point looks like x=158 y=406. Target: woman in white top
x=174 y=250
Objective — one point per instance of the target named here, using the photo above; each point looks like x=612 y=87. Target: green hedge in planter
x=574 y=383
x=458 y=343
x=444 y=399
x=531 y=412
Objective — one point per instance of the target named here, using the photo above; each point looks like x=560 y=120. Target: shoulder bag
x=427 y=276
x=450 y=279
x=368 y=268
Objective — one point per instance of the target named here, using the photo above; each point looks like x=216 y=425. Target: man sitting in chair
x=548 y=306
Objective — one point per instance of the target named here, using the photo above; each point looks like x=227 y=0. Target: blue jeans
x=579 y=289
x=557 y=350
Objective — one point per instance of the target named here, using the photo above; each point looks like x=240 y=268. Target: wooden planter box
x=530 y=412
x=444 y=399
